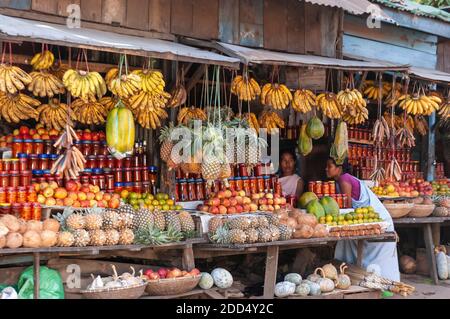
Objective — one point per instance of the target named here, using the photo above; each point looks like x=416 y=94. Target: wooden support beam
x=431 y=147
x=195 y=77
x=360 y=253
x=188 y=258
x=270 y=278
x=428 y=238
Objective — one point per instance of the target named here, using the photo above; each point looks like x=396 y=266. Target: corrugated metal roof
x=259 y=56
x=36 y=31
x=431 y=75
x=416 y=8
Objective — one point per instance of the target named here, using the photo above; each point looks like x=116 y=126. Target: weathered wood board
x=16 y=4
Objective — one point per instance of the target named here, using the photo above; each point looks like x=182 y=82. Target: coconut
x=407 y=264
x=291 y=222
x=34 y=225
x=11 y=222
x=23 y=226
x=51 y=224
x=14 y=240
x=31 y=239
x=418 y=200
x=304 y=232
x=3 y=229
x=48 y=238
x=307 y=219
x=427 y=201
x=2 y=242
x=320 y=231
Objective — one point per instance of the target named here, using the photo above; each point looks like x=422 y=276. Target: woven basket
x=173 y=286
x=118 y=293
x=420 y=211
x=399 y=210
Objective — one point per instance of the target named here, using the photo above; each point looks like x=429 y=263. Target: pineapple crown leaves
x=221 y=235
x=61 y=218
x=150 y=236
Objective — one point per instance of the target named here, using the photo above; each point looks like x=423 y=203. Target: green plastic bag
x=51 y=285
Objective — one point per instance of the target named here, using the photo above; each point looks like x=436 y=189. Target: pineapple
x=143 y=218
x=112 y=237
x=263 y=222
x=160 y=220
x=126 y=220
x=172 y=221
x=237 y=236
x=93 y=221
x=274 y=233
x=151 y=236
x=187 y=222
x=254 y=222
x=213 y=145
x=126 y=237
x=166 y=142
x=81 y=238
x=252 y=236
x=75 y=222
x=174 y=235
x=273 y=219
x=221 y=235
x=247 y=147
x=213 y=224
x=126 y=209
x=65 y=239
x=241 y=223
x=264 y=235
x=98 y=237
x=111 y=220
x=211 y=171
x=286 y=232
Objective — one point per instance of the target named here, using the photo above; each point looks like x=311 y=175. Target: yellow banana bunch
x=54 y=115
x=359 y=117
x=43 y=61
x=187 y=114
x=151 y=118
x=329 y=105
x=148 y=101
x=45 y=84
x=276 y=95
x=444 y=112
x=17 y=107
x=89 y=112
x=110 y=102
x=252 y=121
x=179 y=96
x=271 y=121
x=152 y=81
x=349 y=98
x=372 y=91
x=303 y=101
x=394 y=96
x=124 y=86
x=420 y=104
x=13 y=79
x=246 y=88
x=85 y=85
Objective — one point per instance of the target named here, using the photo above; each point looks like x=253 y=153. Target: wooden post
x=431 y=147
x=428 y=238
x=360 y=253
x=436 y=230
x=36 y=274
x=188 y=258
x=270 y=279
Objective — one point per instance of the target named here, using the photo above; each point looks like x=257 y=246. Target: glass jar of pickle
x=48 y=147
x=36 y=212
x=21 y=195
x=14 y=179
x=11 y=195
x=145 y=174
x=6 y=165
x=102 y=182
x=200 y=189
x=184 y=195
x=94 y=180
x=4 y=179
x=253 y=185
x=31 y=194
x=137 y=174
x=2 y=195
x=266 y=183
x=85 y=179
x=110 y=181
x=38 y=147
x=96 y=148
x=86 y=148
x=15 y=164
x=5 y=209
x=192 y=190
x=43 y=162
x=239 y=184
x=33 y=162
x=91 y=162
x=25 y=178
x=23 y=162
x=27 y=147
x=16 y=209
x=260 y=181
x=127 y=162
x=118 y=175
x=26 y=211
x=246 y=185
x=110 y=161
x=101 y=161
x=104 y=148
x=17 y=147
x=128 y=175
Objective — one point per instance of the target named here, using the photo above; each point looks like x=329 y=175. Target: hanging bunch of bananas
x=187 y=114
x=271 y=121
x=398 y=121
x=410 y=123
x=246 y=88
x=151 y=118
x=276 y=95
x=421 y=125
x=394 y=95
x=252 y=121
x=353 y=106
x=303 y=101
x=178 y=96
x=146 y=100
x=17 y=107
x=55 y=114
x=43 y=61
x=110 y=102
x=125 y=85
x=329 y=105
x=372 y=90
x=59 y=69
x=444 y=112
x=152 y=81
x=89 y=112
x=85 y=85
x=45 y=84
x=420 y=104
x=13 y=79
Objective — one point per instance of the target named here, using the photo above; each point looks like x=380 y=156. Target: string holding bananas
x=43 y=61
x=276 y=95
x=110 y=102
x=393 y=96
x=125 y=85
x=372 y=90
x=405 y=137
x=17 y=107
x=45 y=84
x=13 y=79
x=85 y=85
x=271 y=121
x=187 y=114
x=420 y=104
x=252 y=121
x=246 y=88
x=89 y=112
x=59 y=69
x=329 y=105
x=55 y=114
x=303 y=101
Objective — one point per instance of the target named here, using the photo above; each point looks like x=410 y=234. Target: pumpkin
x=343 y=281
x=407 y=264
x=284 y=289
x=303 y=289
x=120 y=130
x=326 y=284
x=206 y=282
x=222 y=278
x=330 y=271
x=314 y=288
x=315 y=277
x=294 y=278
x=442 y=265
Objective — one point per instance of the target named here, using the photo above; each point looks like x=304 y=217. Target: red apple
x=247 y=208
x=114 y=203
x=262 y=201
x=239 y=200
x=60 y=193
x=253 y=207
x=214 y=210
x=85 y=203
x=82 y=196
x=195 y=272
x=68 y=202
x=246 y=201
x=90 y=196
x=221 y=195
x=36 y=137
x=226 y=202
x=148 y=272
x=99 y=196
x=59 y=202
x=234 y=194
x=48 y=192
x=53 y=132
x=228 y=194
x=73 y=196
x=163 y=273
x=223 y=210
x=41 y=131
x=154 y=276
x=24 y=130
x=76 y=204
x=107 y=197
x=93 y=203
x=233 y=202
x=50 y=202
x=116 y=196
x=85 y=189
x=239 y=209
x=95 y=136
x=232 y=210
x=270 y=202
x=71 y=186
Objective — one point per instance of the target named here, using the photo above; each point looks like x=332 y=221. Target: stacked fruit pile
x=166 y=273
x=305 y=226
x=151 y=202
x=319 y=208
x=441 y=187
x=411 y=188
x=362 y=215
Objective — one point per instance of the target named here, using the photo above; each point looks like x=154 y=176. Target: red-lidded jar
x=318 y=188
x=246 y=184
x=43 y=162
x=138 y=187
x=137 y=174
x=22 y=195
x=118 y=175
x=145 y=174
x=15 y=165
x=27 y=147
x=6 y=165
x=17 y=147
x=33 y=162
x=128 y=175
x=243 y=170
x=104 y=148
x=258 y=170
x=260 y=181
x=86 y=148
x=253 y=185
x=311 y=187
x=232 y=183
x=110 y=181
x=191 y=190
x=31 y=194
x=91 y=162
x=1 y=165
x=101 y=161
x=23 y=162
x=95 y=180
x=36 y=212
x=102 y=182
x=110 y=161
x=2 y=195
x=11 y=195
x=25 y=178
x=96 y=148
x=38 y=147
x=200 y=189
x=14 y=179
x=85 y=179
x=26 y=211
x=4 y=179
x=118 y=163
x=266 y=183
x=16 y=209
x=277 y=188
x=239 y=184
x=135 y=161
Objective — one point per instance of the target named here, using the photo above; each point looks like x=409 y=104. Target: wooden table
x=272 y=252
x=431 y=233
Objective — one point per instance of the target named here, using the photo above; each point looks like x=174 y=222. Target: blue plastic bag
x=51 y=285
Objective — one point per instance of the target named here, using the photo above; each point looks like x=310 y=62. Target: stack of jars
x=322 y=189
x=132 y=174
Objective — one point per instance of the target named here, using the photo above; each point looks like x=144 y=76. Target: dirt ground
x=425 y=289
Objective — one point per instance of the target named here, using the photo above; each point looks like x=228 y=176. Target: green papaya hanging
x=315 y=128
x=120 y=131
x=339 y=149
x=305 y=144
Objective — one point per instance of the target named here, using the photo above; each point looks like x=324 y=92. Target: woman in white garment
x=383 y=255
x=291 y=183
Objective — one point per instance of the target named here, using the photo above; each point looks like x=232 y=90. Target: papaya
x=315 y=208
x=305 y=144
x=339 y=149
x=306 y=198
x=315 y=128
x=120 y=130
x=330 y=206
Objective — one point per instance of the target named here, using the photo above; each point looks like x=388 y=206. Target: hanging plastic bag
x=51 y=285
x=9 y=293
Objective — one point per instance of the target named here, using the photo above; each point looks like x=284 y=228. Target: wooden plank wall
x=443 y=61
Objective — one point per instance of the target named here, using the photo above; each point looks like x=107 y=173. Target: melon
x=316 y=209
x=442 y=265
x=314 y=288
x=315 y=128
x=306 y=198
x=207 y=281
x=222 y=278
x=330 y=206
x=284 y=289
x=303 y=289
x=294 y=278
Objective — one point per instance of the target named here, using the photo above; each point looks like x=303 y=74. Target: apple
x=214 y=210
x=228 y=194
x=154 y=276
x=24 y=130
x=43 y=186
x=102 y=204
x=162 y=272
x=50 y=202
x=116 y=196
x=72 y=195
x=262 y=201
x=214 y=202
x=253 y=207
x=85 y=189
x=255 y=197
x=232 y=210
x=221 y=195
x=114 y=203
x=41 y=131
x=102 y=136
x=53 y=132
x=246 y=201
x=94 y=189
x=277 y=207
x=95 y=136
x=68 y=202
x=223 y=210
x=195 y=272
x=226 y=202
x=270 y=202
x=239 y=209
x=76 y=204
x=93 y=203
x=85 y=203
x=41 y=199
x=87 y=136
x=16 y=133
x=82 y=196
x=90 y=196
x=59 y=202
x=71 y=186
x=148 y=272
x=36 y=137
x=107 y=197
x=239 y=200
x=246 y=208
x=270 y=208
x=99 y=196
x=48 y=192
x=53 y=185
x=233 y=202
x=234 y=194
x=269 y=196
x=263 y=208
x=60 y=193
x=283 y=201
